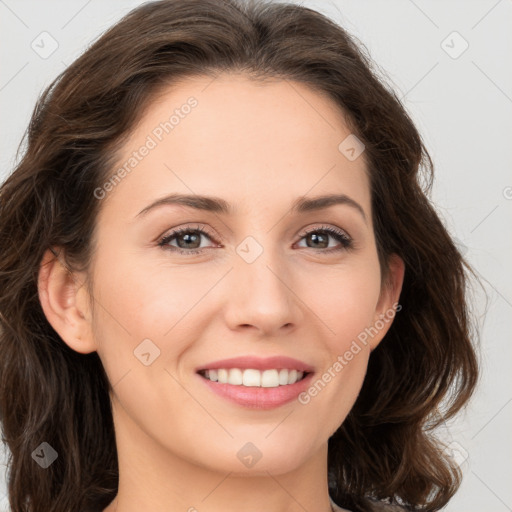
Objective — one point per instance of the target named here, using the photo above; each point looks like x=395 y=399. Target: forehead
x=262 y=142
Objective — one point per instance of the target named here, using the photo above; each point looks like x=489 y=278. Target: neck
x=152 y=478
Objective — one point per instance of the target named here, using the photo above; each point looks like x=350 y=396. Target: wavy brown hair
x=423 y=372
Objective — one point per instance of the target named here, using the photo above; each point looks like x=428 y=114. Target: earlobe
x=60 y=297
x=388 y=306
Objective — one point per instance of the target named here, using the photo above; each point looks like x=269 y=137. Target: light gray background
x=462 y=105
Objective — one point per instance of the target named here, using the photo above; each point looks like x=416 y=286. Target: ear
x=64 y=300
x=387 y=306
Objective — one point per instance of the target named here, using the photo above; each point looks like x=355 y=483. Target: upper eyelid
x=324 y=227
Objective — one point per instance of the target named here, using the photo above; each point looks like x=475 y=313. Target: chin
x=253 y=458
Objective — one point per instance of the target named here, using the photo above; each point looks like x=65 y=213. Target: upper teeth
x=251 y=377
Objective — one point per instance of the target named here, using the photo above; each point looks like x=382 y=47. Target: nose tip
x=264 y=300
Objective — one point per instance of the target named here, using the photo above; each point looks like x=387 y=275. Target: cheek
x=149 y=319
x=144 y=309
x=344 y=300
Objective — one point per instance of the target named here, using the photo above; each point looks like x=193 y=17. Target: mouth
x=250 y=388
x=257 y=382
x=251 y=377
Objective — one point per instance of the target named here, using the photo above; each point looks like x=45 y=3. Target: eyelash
x=340 y=236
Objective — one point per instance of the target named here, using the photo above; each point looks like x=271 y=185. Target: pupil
x=316 y=237
x=187 y=237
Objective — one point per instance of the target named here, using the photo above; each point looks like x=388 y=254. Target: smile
x=251 y=377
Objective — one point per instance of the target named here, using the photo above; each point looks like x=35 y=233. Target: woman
x=222 y=285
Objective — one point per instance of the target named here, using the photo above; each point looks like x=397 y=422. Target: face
x=267 y=277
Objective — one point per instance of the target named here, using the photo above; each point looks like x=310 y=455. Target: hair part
x=424 y=370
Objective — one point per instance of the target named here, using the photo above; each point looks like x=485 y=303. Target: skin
x=259 y=147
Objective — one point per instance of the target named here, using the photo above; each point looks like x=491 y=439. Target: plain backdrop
x=450 y=62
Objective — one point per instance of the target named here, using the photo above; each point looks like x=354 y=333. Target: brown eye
x=188 y=240
x=319 y=239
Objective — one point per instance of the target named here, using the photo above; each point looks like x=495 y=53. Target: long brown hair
x=422 y=373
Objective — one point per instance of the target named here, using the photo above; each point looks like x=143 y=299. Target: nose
x=261 y=295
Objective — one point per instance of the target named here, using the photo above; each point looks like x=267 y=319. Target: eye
x=188 y=238
x=320 y=238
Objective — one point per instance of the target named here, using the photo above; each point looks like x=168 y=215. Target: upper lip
x=258 y=363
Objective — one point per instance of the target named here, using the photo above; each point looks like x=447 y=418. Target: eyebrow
x=213 y=204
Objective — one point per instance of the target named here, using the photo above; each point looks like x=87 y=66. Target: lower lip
x=259 y=397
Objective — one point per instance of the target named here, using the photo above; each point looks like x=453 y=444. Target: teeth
x=254 y=378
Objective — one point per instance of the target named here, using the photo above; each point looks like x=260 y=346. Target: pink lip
x=258 y=363
x=259 y=397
